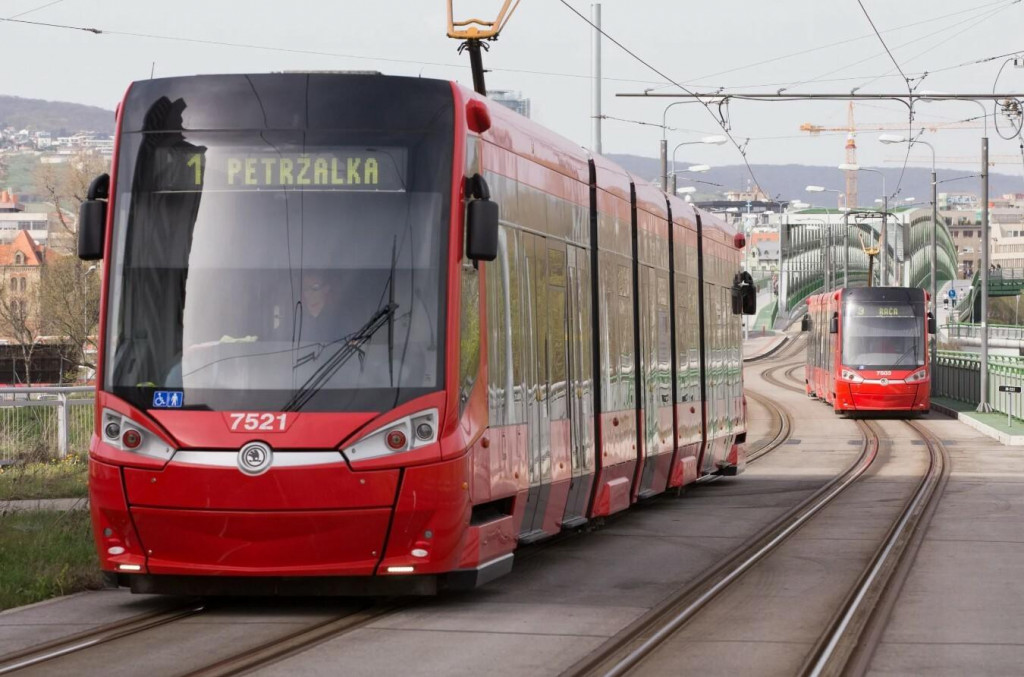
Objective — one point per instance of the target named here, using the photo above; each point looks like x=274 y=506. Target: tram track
x=108 y=632
x=854 y=631
x=45 y=658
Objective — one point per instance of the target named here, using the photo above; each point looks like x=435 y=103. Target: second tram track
x=849 y=641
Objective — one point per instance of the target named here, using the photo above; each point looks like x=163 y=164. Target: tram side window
x=498 y=336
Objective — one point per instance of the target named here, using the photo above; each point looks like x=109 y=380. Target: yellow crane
x=852 y=128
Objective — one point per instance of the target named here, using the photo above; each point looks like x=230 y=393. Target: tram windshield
x=883 y=336
x=279 y=270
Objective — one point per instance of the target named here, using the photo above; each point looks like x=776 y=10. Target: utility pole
x=846 y=247
x=934 y=261
x=983 y=404
x=884 y=263
x=596 y=141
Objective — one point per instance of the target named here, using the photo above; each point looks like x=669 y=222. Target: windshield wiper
x=351 y=345
x=907 y=352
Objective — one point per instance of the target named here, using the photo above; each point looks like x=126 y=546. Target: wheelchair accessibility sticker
x=168 y=399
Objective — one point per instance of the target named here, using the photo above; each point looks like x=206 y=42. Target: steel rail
x=781 y=433
x=622 y=653
x=294 y=643
x=884 y=575
x=94 y=637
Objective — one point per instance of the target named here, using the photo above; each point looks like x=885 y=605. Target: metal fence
x=995 y=331
x=958 y=376
x=45 y=422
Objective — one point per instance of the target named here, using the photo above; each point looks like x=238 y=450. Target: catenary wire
x=725 y=128
x=833 y=45
x=36 y=9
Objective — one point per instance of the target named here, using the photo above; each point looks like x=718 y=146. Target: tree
x=16 y=321
x=69 y=292
x=69 y=300
x=65 y=185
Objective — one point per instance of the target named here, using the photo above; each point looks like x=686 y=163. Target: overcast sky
x=545 y=52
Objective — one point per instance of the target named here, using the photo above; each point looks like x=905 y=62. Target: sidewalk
x=55 y=504
x=758 y=347
x=992 y=425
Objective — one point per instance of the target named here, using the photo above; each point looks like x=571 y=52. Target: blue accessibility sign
x=168 y=399
x=952 y=294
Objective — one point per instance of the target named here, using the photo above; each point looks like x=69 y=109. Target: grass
x=44 y=554
x=66 y=478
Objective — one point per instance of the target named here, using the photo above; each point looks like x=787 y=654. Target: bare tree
x=69 y=299
x=65 y=185
x=69 y=290
x=16 y=321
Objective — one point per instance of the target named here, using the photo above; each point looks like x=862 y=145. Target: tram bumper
x=204 y=529
x=878 y=397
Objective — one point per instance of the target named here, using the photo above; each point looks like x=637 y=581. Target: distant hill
x=788 y=182
x=57 y=117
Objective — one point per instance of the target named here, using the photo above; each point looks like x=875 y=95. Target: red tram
x=868 y=349
x=327 y=366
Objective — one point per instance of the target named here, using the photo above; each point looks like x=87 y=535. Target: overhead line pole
x=596 y=142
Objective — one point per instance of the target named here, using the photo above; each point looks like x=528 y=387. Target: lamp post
x=846 y=239
x=884 y=268
x=707 y=140
x=983 y=404
x=895 y=138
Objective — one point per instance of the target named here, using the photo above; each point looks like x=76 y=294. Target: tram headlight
x=917 y=376
x=124 y=434
x=405 y=434
x=851 y=376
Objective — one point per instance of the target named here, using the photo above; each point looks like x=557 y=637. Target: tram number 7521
x=252 y=422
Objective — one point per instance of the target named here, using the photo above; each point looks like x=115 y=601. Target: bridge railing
x=45 y=422
x=967 y=330
x=957 y=376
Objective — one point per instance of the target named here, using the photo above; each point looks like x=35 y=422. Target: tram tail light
x=917 y=376
x=405 y=434
x=851 y=376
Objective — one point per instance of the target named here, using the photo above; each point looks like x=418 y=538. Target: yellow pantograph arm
x=479 y=29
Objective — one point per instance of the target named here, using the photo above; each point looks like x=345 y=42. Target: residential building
x=21 y=266
x=512 y=100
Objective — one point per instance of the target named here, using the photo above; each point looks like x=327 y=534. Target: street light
x=707 y=140
x=884 y=268
x=895 y=138
x=663 y=148
x=983 y=404
x=831 y=244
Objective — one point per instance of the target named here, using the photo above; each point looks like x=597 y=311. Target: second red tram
x=867 y=349
x=327 y=365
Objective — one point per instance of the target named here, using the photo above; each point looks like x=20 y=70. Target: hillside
x=57 y=117
x=787 y=182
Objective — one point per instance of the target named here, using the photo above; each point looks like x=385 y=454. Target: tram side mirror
x=833 y=324
x=481 y=221
x=805 y=323
x=92 y=219
x=931 y=323
x=744 y=294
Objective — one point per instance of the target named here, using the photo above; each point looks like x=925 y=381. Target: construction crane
x=887 y=126
x=851 y=161
x=852 y=128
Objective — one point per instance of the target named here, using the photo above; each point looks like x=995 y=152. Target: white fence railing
x=45 y=422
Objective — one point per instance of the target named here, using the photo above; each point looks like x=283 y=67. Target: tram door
x=580 y=385
x=535 y=297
